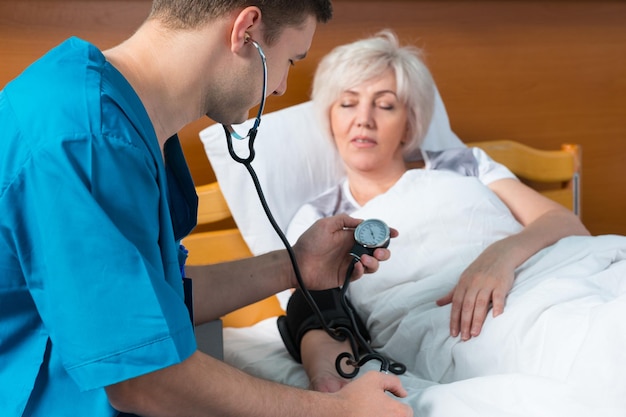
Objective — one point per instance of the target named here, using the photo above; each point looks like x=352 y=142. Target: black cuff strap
x=301 y=318
x=360 y=250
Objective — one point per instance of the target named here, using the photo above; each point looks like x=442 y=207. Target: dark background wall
x=540 y=72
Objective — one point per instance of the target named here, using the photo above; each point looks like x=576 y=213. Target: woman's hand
x=484 y=284
x=488 y=280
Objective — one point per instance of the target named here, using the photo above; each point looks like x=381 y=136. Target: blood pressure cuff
x=300 y=318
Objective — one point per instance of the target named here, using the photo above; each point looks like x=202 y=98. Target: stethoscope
x=358 y=343
x=257 y=121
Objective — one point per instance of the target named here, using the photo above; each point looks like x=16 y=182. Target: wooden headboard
x=539 y=72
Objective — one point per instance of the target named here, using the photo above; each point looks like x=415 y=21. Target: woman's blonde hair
x=350 y=65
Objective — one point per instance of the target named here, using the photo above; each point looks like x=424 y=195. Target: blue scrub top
x=90 y=283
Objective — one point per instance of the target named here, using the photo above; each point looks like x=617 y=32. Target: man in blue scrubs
x=95 y=196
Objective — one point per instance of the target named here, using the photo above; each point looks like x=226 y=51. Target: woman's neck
x=366 y=185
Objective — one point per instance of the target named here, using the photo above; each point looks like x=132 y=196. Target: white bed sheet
x=294 y=163
x=559 y=349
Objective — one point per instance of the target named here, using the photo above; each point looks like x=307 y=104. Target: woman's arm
x=308 y=341
x=488 y=280
x=319 y=351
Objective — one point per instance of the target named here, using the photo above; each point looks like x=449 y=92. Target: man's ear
x=245 y=27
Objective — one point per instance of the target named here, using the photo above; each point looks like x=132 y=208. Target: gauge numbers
x=372 y=233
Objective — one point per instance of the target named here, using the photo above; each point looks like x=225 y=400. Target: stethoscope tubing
x=252 y=132
x=340 y=333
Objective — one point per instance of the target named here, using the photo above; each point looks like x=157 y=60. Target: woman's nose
x=364 y=119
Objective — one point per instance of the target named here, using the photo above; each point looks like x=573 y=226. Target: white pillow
x=294 y=163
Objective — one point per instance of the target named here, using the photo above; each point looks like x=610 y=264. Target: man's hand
x=323 y=250
x=367 y=396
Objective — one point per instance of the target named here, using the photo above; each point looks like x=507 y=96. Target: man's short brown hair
x=277 y=14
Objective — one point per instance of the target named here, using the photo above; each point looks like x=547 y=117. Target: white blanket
x=559 y=349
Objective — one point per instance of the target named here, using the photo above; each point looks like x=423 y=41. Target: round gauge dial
x=372 y=233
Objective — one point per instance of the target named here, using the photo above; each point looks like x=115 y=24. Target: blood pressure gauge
x=369 y=235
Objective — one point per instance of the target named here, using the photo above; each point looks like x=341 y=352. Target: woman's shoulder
x=329 y=203
x=469 y=162
x=460 y=160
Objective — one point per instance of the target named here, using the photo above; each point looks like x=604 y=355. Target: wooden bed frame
x=554 y=173
x=541 y=73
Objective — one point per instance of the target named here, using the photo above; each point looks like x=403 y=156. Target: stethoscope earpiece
x=252 y=132
x=357 y=341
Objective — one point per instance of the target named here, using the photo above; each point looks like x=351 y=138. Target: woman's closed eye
x=385 y=105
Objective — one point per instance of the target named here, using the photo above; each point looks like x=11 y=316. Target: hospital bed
x=560 y=347
x=555 y=173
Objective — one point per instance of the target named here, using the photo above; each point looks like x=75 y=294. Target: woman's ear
x=407 y=135
x=245 y=26
x=411 y=132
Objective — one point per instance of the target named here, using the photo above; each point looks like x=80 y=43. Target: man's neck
x=157 y=77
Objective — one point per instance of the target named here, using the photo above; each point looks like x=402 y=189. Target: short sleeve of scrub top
x=86 y=198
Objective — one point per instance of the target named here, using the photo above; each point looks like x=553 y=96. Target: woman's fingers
x=469 y=311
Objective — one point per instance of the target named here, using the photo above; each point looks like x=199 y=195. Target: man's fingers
x=359 y=270
x=393 y=385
